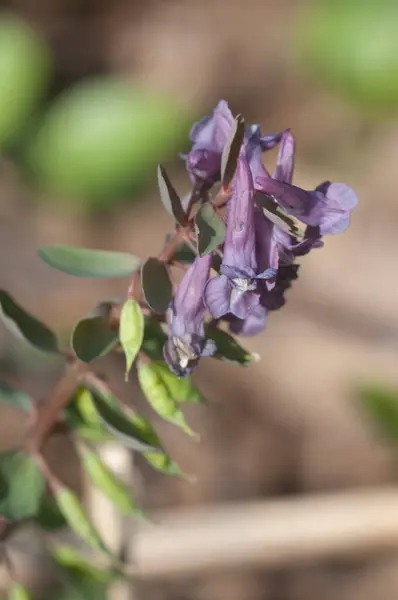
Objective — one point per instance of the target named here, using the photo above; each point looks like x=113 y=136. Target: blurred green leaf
x=154 y=339
x=18 y=592
x=9 y=395
x=22 y=486
x=159 y=397
x=82 y=417
x=93 y=338
x=49 y=516
x=76 y=564
x=76 y=517
x=156 y=285
x=184 y=254
x=90 y=263
x=180 y=389
x=228 y=348
x=25 y=68
x=210 y=229
x=229 y=158
x=169 y=197
x=131 y=331
x=381 y=404
x=24 y=326
x=109 y=484
x=118 y=424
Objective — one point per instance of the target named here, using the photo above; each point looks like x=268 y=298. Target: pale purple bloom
x=186 y=341
x=237 y=289
x=327 y=207
x=209 y=137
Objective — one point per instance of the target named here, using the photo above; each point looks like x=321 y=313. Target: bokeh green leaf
x=22 y=486
x=131 y=331
x=156 y=285
x=210 y=229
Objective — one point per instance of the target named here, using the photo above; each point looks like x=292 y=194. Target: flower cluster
x=263 y=237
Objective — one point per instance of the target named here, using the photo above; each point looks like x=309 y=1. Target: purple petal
x=340 y=200
x=172 y=359
x=242 y=303
x=209 y=348
x=239 y=247
x=188 y=306
x=285 y=161
x=252 y=325
x=218 y=295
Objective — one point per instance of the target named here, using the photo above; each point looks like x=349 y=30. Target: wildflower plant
x=234 y=247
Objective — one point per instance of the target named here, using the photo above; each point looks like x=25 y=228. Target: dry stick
x=270 y=534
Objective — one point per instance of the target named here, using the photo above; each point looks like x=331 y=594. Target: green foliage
x=22 y=486
x=381 y=404
x=89 y=263
x=352 y=47
x=92 y=338
x=24 y=326
x=210 y=229
x=156 y=285
x=96 y=142
x=131 y=331
x=18 y=592
x=25 y=67
x=180 y=389
x=157 y=392
x=228 y=349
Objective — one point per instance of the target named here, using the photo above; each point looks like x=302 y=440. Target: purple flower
x=327 y=207
x=186 y=341
x=237 y=289
x=209 y=137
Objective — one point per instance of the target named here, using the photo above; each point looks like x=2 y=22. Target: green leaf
x=278 y=216
x=92 y=338
x=156 y=285
x=18 y=592
x=9 y=395
x=118 y=424
x=381 y=404
x=180 y=389
x=108 y=483
x=164 y=464
x=184 y=254
x=169 y=197
x=22 y=486
x=229 y=158
x=159 y=397
x=76 y=517
x=86 y=262
x=82 y=417
x=210 y=229
x=24 y=326
x=131 y=332
x=154 y=339
x=49 y=516
x=87 y=581
x=228 y=348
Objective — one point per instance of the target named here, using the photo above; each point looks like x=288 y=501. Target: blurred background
x=93 y=94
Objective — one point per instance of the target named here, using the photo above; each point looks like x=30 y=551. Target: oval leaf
x=159 y=397
x=108 y=483
x=180 y=389
x=228 y=348
x=156 y=285
x=24 y=326
x=18 y=592
x=210 y=229
x=229 y=157
x=154 y=339
x=93 y=338
x=9 y=395
x=131 y=332
x=90 y=263
x=119 y=425
x=22 y=486
x=70 y=507
x=170 y=199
